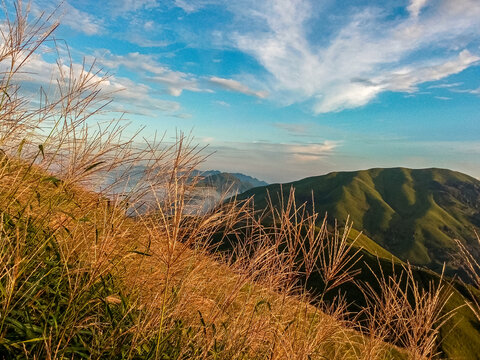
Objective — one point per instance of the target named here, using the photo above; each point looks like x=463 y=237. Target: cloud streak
x=236 y=86
x=70 y=16
x=152 y=71
x=297 y=159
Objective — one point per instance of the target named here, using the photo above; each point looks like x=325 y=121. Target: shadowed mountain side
x=415 y=214
x=459 y=338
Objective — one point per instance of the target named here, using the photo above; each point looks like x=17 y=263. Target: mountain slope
x=458 y=338
x=415 y=214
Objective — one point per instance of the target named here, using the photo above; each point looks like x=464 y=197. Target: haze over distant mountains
x=212 y=187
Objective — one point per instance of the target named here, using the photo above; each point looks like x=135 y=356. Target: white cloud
x=299 y=151
x=81 y=21
x=177 y=81
x=416 y=6
x=364 y=57
x=222 y=103
x=446 y=86
x=70 y=16
x=360 y=92
x=190 y=6
x=143 y=41
x=406 y=78
x=132 y=61
x=182 y=116
x=138 y=98
x=312 y=152
x=134 y=97
x=236 y=86
x=149 y=25
x=120 y=7
x=153 y=71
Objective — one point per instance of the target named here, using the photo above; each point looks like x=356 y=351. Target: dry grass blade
x=403 y=312
x=337 y=263
x=472 y=269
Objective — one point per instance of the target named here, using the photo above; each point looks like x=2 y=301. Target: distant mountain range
x=232 y=183
x=212 y=186
x=414 y=214
x=228 y=183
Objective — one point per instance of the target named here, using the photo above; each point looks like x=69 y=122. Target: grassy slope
x=203 y=285
x=213 y=280
x=363 y=241
x=460 y=336
x=415 y=214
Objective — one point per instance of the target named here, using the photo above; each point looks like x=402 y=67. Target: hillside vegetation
x=415 y=214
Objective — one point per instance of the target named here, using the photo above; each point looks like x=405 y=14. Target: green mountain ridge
x=405 y=215
x=413 y=213
x=428 y=192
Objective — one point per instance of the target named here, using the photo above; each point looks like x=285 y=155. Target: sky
x=285 y=89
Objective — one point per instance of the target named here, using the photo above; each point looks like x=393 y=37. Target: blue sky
x=286 y=89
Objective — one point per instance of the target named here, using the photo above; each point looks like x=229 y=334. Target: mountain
x=414 y=214
x=459 y=338
x=251 y=180
x=404 y=214
x=229 y=183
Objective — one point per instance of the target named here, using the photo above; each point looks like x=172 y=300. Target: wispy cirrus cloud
x=176 y=82
x=312 y=152
x=70 y=16
x=296 y=129
x=137 y=98
x=122 y=7
x=152 y=71
x=133 y=61
x=190 y=6
x=446 y=85
x=369 y=54
x=475 y=92
x=237 y=86
x=222 y=103
x=81 y=21
x=416 y=6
